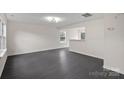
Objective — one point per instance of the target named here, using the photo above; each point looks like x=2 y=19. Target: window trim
x=3 y=38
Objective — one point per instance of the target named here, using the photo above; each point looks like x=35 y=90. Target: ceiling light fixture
x=53 y=19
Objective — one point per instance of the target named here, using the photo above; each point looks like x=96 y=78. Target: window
x=62 y=37
x=82 y=35
x=2 y=35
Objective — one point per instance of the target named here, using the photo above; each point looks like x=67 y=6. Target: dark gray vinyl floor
x=56 y=64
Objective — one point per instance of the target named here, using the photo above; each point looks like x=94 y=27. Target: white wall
x=104 y=39
x=26 y=38
x=3 y=59
x=114 y=42
x=93 y=45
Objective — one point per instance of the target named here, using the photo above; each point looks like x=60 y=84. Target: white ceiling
x=38 y=18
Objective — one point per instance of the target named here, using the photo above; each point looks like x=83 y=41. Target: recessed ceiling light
x=53 y=19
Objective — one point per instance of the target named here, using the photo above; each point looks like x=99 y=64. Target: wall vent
x=87 y=15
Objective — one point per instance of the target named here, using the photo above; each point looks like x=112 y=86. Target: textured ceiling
x=38 y=18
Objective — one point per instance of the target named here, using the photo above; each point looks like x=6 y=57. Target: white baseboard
x=114 y=69
x=19 y=53
x=86 y=54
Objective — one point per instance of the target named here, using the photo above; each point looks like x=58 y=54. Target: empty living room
x=61 y=46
